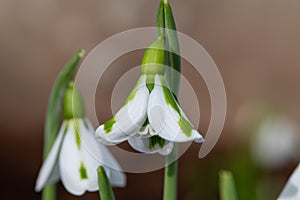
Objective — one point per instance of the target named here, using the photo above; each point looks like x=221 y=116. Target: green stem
x=171 y=171
x=166 y=27
x=54 y=113
x=105 y=190
x=49 y=192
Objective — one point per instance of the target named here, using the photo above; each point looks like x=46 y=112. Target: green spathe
x=156 y=140
x=73 y=105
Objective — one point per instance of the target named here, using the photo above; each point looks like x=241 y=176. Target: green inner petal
x=109 y=124
x=150 y=82
x=83 y=172
x=156 y=140
x=146 y=122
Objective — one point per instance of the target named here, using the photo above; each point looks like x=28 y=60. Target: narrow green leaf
x=227 y=186
x=160 y=19
x=105 y=190
x=54 y=112
x=166 y=28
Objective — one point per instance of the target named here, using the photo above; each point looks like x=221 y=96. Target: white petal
x=71 y=160
x=48 y=172
x=165 y=119
x=97 y=154
x=143 y=145
x=129 y=119
x=292 y=189
x=146 y=131
x=167 y=149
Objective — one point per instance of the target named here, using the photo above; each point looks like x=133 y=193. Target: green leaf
x=227 y=186
x=54 y=112
x=105 y=190
x=160 y=19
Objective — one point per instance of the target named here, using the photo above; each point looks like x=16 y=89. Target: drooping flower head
x=75 y=154
x=150 y=119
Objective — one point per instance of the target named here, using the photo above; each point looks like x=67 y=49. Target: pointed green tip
x=227 y=186
x=100 y=169
x=225 y=174
x=81 y=53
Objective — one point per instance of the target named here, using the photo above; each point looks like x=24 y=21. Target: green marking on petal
x=66 y=127
x=83 y=172
x=150 y=82
x=185 y=126
x=156 y=140
x=142 y=129
x=169 y=96
x=133 y=92
x=109 y=124
x=77 y=133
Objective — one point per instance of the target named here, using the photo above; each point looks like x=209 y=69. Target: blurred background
x=255 y=44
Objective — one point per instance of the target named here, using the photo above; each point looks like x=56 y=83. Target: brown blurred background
x=255 y=44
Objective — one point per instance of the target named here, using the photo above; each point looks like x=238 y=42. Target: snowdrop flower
x=276 y=142
x=150 y=119
x=75 y=154
x=291 y=190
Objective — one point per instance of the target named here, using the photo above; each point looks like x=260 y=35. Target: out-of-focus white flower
x=275 y=143
x=76 y=155
x=291 y=190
